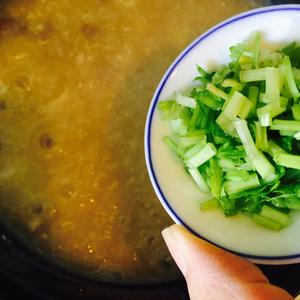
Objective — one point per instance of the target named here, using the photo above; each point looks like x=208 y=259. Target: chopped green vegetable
x=275 y=215
x=268 y=223
x=238 y=133
x=209 y=204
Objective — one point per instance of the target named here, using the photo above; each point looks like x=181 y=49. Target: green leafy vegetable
x=238 y=133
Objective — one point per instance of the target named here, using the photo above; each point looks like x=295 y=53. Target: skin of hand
x=212 y=273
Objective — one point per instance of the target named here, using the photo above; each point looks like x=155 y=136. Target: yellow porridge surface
x=76 y=80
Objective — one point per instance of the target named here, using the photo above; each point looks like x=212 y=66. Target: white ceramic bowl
x=177 y=192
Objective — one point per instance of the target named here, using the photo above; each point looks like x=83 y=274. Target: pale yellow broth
x=76 y=80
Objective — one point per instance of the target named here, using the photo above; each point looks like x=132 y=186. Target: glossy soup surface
x=76 y=81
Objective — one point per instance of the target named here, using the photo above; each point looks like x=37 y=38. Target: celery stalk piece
x=297 y=136
x=253 y=97
x=273 y=83
x=226 y=124
x=216 y=176
x=288 y=74
x=216 y=91
x=259 y=161
x=246 y=138
x=236 y=186
x=237 y=175
x=287 y=160
x=203 y=156
x=195 y=118
x=184 y=101
x=268 y=223
x=179 y=126
x=194 y=150
x=275 y=215
x=264 y=98
x=268 y=112
x=235 y=85
x=265 y=116
x=261 y=138
x=173 y=146
x=209 y=204
x=253 y=75
x=274 y=149
x=245 y=66
x=244 y=59
x=296 y=111
x=200 y=181
x=289 y=125
x=187 y=141
x=233 y=105
x=286 y=132
x=245 y=109
x=237 y=105
x=264 y=168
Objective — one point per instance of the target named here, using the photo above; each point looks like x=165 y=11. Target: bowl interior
x=177 y=192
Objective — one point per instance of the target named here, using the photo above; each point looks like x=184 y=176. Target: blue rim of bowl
x=148 y=126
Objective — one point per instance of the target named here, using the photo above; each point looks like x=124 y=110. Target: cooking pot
x=25 y=273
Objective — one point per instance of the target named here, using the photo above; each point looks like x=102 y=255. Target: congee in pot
x=76 y=81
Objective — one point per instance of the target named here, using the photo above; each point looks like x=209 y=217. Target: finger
x=212 y=273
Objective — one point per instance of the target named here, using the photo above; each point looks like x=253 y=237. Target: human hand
x=212 y=273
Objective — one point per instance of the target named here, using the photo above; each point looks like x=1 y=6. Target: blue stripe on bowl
x=166 y=204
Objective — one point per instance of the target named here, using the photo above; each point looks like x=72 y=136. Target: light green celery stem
x=264 y=139
x=184 y=101
x=261 y=140
x=190 y=141
x=245 y=109
x=275 y=215
x=296 y=111
x=265 y=222
x=216 y=176
x=237 y=105
x=209 y=204
x=287 y=160
x=236 y=186
x=216 y=91
x=234 y=84
x=173 y=146
x=286 y=132
x=233 y=105
x=253 y=96
x=258 y=136
x=273 y=86
x=297 y=136
x=265 y=115
x=244 y=59
x=246 y=138
x=256 y=52
x=288 y=73
x=274 y=149
x=196 y=115
x=245 y=66
x=204 y=155
x=268 y=112
x=263 y=167
x=289 y=125
x=234 y=174
x=226 y=124
x=198 y=178
x=259 y=161
x=195 y=149
x=253 y=75
x=178 y=126
x=210 y=102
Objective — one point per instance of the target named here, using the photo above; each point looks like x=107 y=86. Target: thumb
x=212 y=273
